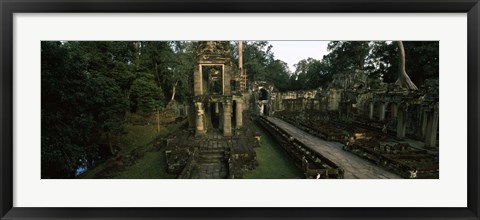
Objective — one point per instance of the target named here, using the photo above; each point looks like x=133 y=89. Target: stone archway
x=264 y=95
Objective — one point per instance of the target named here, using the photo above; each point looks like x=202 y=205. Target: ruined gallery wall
x=318 y=99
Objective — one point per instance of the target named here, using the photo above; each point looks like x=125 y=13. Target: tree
x=171 y=64
x=146 y=95
x=403 y=78
x=421 y=60
x=382 y=61
x=67 y=126
x=310 y=74
x=108 y=108
x=346 y=56
x=256 y=57
x=317 y=75
x=84 y=98
x=298 y=80
x=278 y=74
x=182 y=69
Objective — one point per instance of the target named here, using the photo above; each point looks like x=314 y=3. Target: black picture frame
x=9 y=7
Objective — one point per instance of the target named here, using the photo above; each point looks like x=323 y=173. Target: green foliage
x=421 y=60
x=171 y=64
x=88 y=88
x=278 y=74
x=256 y=57
x=152 y=165
x=346 y=56
x=382 y=62
x=146 y=95
x=317 y=75
x=260 y=64
x=379 y=59
x=108 y=104
x=310 y=74
x=66 y=124
x=149 y=162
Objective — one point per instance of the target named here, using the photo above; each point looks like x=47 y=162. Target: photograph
x=274 y=109
x=240 y=109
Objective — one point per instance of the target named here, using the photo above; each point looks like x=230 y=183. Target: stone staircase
x=211 y=162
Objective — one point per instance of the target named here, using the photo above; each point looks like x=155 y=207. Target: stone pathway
x=354 y=166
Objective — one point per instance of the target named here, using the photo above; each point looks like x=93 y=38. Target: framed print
x=257 y=110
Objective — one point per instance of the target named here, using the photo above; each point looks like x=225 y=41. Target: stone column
x=370 y=110
x=220 y=115
x=431 y=133
x=200 y=128
x=394 y=110
x=227 y=119
x=381 y=115
x=401 y=125
x=226 y=80
x=239 y=114
x=424 y=123
x=197 y=81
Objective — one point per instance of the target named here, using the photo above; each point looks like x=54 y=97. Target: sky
x=293 y=51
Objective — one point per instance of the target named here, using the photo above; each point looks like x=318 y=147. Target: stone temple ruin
x=391 y=126
x=215 y=92
x=351 y=129
x=219 y=146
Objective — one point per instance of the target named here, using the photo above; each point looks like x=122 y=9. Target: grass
x=139 y=135
x=151 y=166
x=273 y=162
x=141 y=140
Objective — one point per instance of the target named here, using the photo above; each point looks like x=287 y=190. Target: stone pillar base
x=227 y=119
x=239 y=114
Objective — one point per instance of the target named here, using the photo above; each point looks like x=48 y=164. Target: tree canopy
x=89 y=88
x=378 y=59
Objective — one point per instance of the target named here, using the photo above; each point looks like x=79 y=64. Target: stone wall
x=394 y=110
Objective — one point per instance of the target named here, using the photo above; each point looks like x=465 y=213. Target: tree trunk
x=403 y=79
x=136 y=45
x=109 y=139
x=173 y=91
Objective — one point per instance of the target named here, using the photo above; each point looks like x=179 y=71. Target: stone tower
x=213 y=99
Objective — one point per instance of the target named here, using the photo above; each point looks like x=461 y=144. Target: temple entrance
x=215 y=114
x=265 y=109
x=234 y=113
x=263 y=94
x=212 y=76
x=263 y=101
